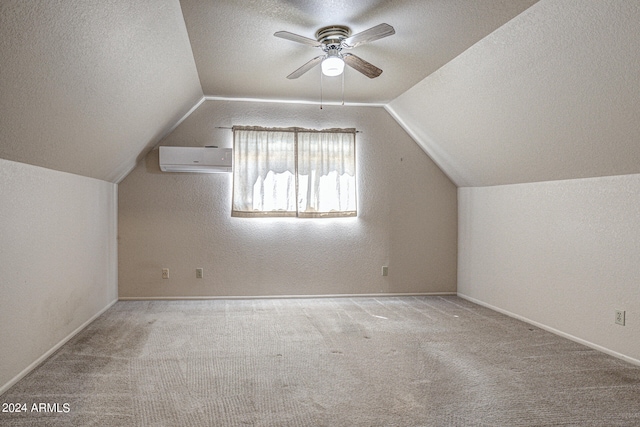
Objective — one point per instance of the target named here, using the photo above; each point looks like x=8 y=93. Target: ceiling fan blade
x=306 y=67
x=361 y=65
x=373 y=33
x=297 y=38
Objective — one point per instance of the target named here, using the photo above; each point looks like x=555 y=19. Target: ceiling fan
x=333 y=40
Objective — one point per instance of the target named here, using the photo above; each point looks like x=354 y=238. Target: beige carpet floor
x=405 y=361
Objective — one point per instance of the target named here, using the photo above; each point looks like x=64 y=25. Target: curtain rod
x=231 y=128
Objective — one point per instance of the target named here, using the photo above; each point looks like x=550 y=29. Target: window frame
x=297 y=213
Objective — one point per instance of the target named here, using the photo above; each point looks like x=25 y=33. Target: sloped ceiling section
x=551 y=95
x=88 y=86
x=238 y=56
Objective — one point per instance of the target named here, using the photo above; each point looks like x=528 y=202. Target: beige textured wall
x=58 y=260
x=407 y=218
x=563 y=254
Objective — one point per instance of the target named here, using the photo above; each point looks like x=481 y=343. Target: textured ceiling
x=495 y=91
x=87 y=86
x=238 y=56
x=551 y=95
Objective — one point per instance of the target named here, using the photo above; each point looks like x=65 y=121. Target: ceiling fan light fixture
x=333 y=64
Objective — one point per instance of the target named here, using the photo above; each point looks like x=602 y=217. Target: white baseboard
x=53 y=349
x=553 y=330
x=419 y=294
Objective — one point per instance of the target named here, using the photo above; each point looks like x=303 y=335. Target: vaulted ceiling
x=495 y=91
x=86 y=86
x=237 y=55
x=551 y=95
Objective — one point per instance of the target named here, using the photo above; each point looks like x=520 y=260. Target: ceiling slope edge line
x=438 y=157
x=293 y=101
x=163 y=136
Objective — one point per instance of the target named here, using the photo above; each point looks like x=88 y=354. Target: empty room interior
x=464 y=249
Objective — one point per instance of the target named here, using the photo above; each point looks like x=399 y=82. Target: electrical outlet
x=385 y=270
x=620 y=317
x=165 y=273
x=199 y=273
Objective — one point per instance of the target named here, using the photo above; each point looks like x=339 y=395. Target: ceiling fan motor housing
x=332 y=36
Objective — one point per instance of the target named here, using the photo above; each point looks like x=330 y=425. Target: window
x=294 y=172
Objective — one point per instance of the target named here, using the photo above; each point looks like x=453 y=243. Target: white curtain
x=272 y=166
x=326 y=173
x=264 y=164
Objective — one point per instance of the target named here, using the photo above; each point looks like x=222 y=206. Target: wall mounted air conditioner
x=195 y=159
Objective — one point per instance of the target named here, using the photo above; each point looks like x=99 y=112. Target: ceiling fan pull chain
x=321 y=90
x=342 y=88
